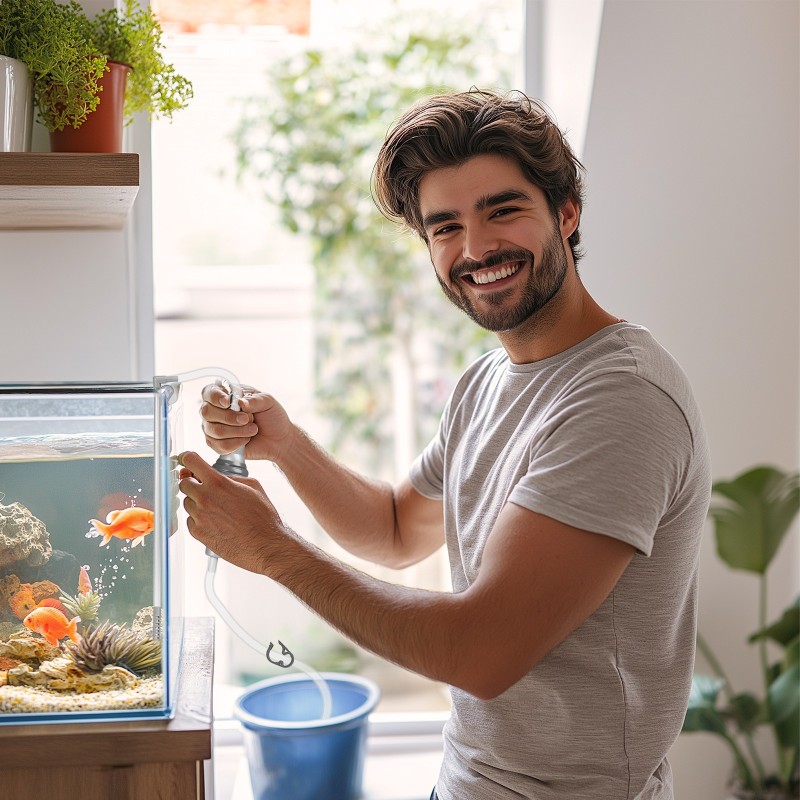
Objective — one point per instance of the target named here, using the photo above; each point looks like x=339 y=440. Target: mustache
x=492 y=260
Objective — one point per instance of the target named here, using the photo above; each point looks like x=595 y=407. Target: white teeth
x=491 y=277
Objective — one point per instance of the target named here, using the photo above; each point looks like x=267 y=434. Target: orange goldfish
x=52 y=624
x=51 y=602
x=128 y=523
x=84 y=583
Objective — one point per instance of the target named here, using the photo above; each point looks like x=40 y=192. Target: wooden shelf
x=148 y=759
x=67 y=190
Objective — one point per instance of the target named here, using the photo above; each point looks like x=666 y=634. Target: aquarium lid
x=75 y=388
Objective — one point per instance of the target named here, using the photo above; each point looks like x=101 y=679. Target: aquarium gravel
x=25 y=699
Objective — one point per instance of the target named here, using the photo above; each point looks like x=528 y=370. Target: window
x=235 y=288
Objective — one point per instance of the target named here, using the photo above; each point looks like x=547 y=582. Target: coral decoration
x=22 y=602
x=22 y=598
x=43 y=589
x=29 y=596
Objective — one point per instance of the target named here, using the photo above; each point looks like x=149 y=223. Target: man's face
x=497 y=250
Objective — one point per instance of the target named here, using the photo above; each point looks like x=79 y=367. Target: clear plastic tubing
x=211 y=566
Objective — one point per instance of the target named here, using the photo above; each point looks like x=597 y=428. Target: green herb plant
x=132 y=35
x=752 y=514
x=50 y=39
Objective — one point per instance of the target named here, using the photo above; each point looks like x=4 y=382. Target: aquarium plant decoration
x=110 y=644
x=85 y=606
x=752 y=513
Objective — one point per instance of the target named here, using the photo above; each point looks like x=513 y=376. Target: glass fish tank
x=90 y=566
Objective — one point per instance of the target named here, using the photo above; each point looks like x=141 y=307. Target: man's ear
x=569 y=217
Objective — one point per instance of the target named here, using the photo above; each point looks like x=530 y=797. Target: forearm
x=430 y=633
x=357 y=512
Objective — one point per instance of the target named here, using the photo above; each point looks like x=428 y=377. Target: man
x=569 y=479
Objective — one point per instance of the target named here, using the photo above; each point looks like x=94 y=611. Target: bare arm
x=369 y=518
x=539 y=580
x=395 y=527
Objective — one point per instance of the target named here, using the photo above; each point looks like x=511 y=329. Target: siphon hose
x=234 y=464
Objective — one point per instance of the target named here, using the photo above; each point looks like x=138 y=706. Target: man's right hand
x=261 y=425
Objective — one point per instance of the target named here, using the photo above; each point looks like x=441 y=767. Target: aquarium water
x=89 y=620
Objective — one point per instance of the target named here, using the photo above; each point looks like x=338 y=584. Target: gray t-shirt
x=605 y=437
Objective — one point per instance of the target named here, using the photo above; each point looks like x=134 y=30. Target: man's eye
x=501 y=212
x=444 y=230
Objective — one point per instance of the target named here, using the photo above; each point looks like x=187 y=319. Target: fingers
x=226 y=430
x=193 y=466
x=214 y=414
x=219 y=394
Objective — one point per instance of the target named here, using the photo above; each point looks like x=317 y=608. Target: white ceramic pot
x=16 y=106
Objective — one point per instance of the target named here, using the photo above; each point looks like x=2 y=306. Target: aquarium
x=90 y=566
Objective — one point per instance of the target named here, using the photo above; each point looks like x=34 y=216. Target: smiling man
x=569 y=480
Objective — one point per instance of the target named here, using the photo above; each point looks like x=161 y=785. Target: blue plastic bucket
x=292 y=753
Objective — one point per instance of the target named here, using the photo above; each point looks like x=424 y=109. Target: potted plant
x=49 y=39
x=752 y=514
x=130 y=41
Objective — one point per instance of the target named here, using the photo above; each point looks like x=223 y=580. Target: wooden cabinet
x=143 y=760
x=67 y=190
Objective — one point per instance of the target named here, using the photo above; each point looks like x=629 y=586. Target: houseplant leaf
x=752 y=514
x=131 y=34
x=48 y=37
x=701 y=713
x=746 y=710
x=784 y=630
x=784 y=706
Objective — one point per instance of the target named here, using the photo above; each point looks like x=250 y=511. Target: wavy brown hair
x=446 y=130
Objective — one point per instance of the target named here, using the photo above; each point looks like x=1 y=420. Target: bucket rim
x=254 y=722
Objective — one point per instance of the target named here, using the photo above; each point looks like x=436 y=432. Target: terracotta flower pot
x=101 y=132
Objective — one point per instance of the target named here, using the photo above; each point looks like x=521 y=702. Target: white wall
x=691 y=228
x=78 y=305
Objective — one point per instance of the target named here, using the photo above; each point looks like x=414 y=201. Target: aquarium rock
x=62 y=569
x=23 y=537
x=28 y=648
x=61 y=674
x=143 y=621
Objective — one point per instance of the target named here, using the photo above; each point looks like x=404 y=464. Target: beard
x=543 y=284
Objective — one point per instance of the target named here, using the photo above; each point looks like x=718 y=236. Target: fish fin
x=72 y=630
x=142 y=525
x=50 y=638
x=137 y=540
x=112 y=515
x=98 y=526
x=106 y=539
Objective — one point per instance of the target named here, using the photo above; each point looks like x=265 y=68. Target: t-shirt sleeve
x=427 y=471
x=609 y=459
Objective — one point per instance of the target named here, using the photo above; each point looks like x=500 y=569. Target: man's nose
x=479 y=241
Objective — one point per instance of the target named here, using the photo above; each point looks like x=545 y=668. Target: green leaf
x=784 y=630
x=701 y=714
x=752 y=513
x=745 y=710
x=784 y=706
x=792 y=654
